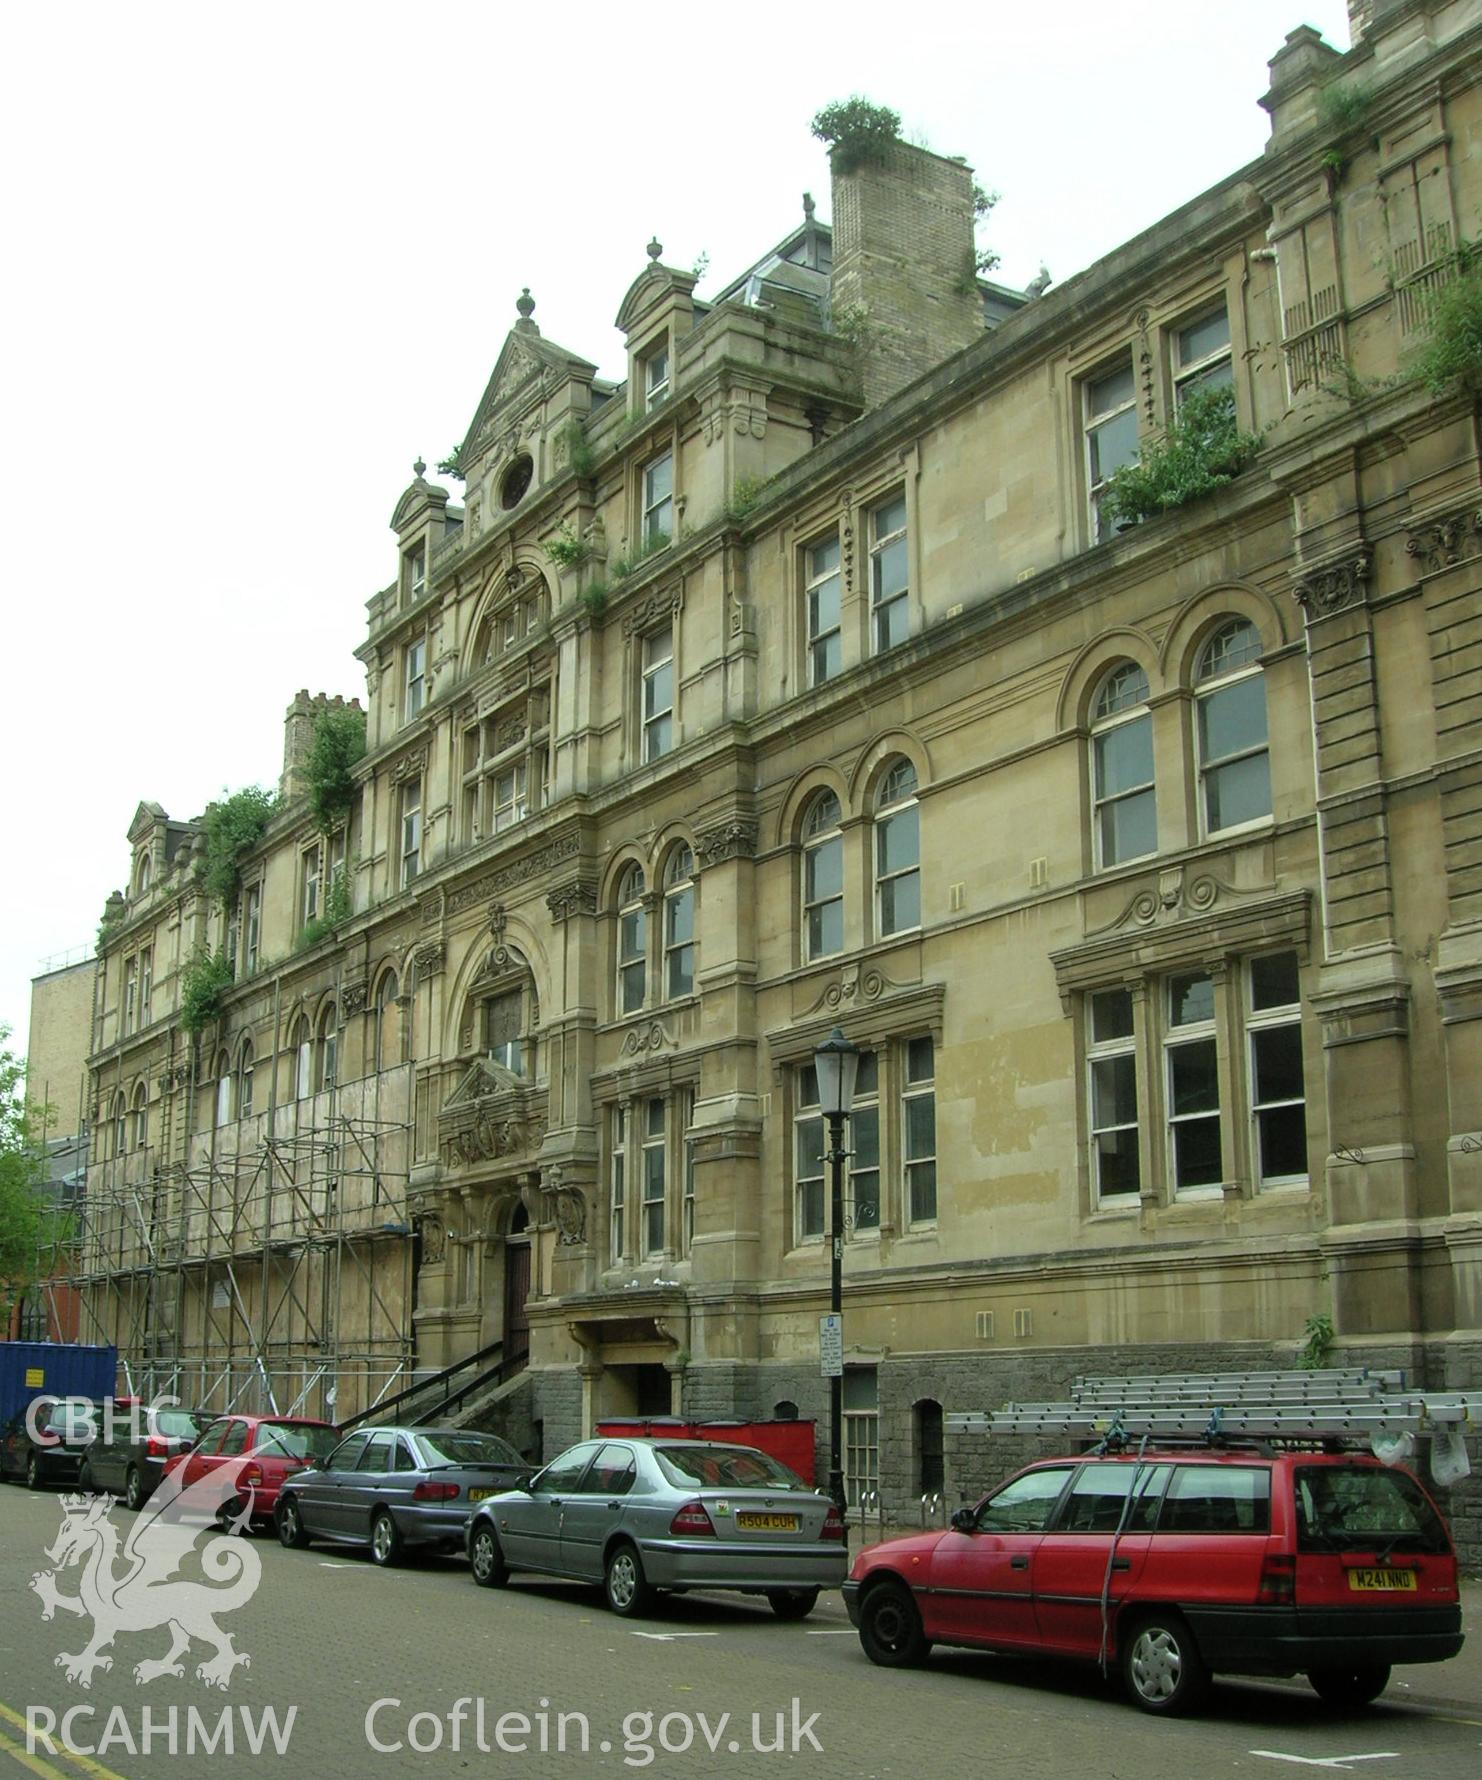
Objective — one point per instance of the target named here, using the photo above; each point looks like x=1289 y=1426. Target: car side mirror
x=964 y=1520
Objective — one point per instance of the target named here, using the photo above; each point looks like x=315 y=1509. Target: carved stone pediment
x=491 y=1114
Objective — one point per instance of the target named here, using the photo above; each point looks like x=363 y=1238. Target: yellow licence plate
x=767 y=1523
x=1367 y=1581
x=481 y=1495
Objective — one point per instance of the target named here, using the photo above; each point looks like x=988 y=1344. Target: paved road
x=330 y=1635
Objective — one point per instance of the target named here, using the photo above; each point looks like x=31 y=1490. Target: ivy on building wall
x=339 y=742
x=232 y=827
x=337 y=910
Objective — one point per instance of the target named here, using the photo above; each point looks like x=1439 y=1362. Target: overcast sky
x=261 y=257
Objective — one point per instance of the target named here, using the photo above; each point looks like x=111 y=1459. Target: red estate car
x=1178 y=1564
x=275 y=1446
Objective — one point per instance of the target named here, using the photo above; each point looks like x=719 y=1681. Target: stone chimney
x=904 y=281
x=1360 y=17
x=298 y=737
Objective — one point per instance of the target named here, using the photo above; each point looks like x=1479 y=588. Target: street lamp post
x=837 y=1064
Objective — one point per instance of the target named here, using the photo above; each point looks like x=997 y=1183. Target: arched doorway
x=517 y=1291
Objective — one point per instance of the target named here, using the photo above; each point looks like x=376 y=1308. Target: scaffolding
x=267 y=1268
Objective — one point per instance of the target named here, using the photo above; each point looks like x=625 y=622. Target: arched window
x=244 y=1080
x=927 y=1416
x=143 y=872
x=1126 y=811
x=326 y=1062
x=120 y=1125
x=1230 y=706
x=301 y=1049
x=141 y=1117
x=897 y=851
x=823 y=877
x=223 y=1088
x=632 y=951
x=679 y=923
x=388 y=1023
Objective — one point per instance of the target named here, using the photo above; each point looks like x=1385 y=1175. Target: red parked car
x=274 y=1446
x=1176 y=1564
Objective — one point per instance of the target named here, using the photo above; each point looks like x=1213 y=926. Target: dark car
x=47 y=1441
x=639 y=1515
x=252 y=1455
x=1178 y=1565
x=133 y=1447
x=393 y=1488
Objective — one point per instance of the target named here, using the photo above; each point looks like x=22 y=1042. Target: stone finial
x=419 y=468
x=525 y=303
x=655 y=248
x=808 y=206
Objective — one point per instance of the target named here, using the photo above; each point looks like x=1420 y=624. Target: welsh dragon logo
x=134 y=1585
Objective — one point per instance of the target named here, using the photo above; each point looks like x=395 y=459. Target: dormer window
x=142 y=873
x=656 y=378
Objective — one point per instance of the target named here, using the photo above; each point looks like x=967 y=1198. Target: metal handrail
x=429 y=1383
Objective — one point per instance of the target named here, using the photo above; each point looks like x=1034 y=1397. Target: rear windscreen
x=176 y=1424
x=468 y=1449
x=725 y=1467
x=295 y=1440
x=1345 y=1507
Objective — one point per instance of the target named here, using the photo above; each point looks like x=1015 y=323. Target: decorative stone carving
x=1331 y=586
x=652 y=1037
x=567 y=1209
x=429 y=958
x=432 y=908
x=498 y=920
x=410 y=766
x=852 y=988
x=434 y=1237
x=846 y=538
x=578 y=897
x=499 y=962
x=1442 y=542
x=652 y=609
x=733 y=839
x=565 y=846
x=352 y=1000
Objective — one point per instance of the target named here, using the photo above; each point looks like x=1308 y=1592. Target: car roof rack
x=1322 y=1407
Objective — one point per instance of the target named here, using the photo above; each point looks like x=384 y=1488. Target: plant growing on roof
x=579 y=453
x=339 y=741
x=205 y=978
x=856 y=131
x=1201 y=449
x=233 y=826
x=1450 y=361
x=593 y=598
x=746 y=491
x=567 y=550
x=337 y=910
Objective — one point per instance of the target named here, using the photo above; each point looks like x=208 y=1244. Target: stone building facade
x=798 y=680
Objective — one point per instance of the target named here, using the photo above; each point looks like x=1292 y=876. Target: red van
x=1177 y=1565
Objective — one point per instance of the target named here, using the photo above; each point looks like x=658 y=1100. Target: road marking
x=669 y=1637
x=1340 y=1762
x=323 y=1565
x=80 y=1763
x=846 y=1632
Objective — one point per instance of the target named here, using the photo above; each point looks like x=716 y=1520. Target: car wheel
x=227 y=1515
x=1161 y=1665
x=291 y=1530
x=134 y=1496
x=385 y=1539
x=1354 y=1684
x=792 y=1603
x=627 y=1587
x=485 y=1558
x=890 y=1627
x=33 y=1472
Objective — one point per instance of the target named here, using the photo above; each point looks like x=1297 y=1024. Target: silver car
x=640 y=1515
x=391 y=1488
